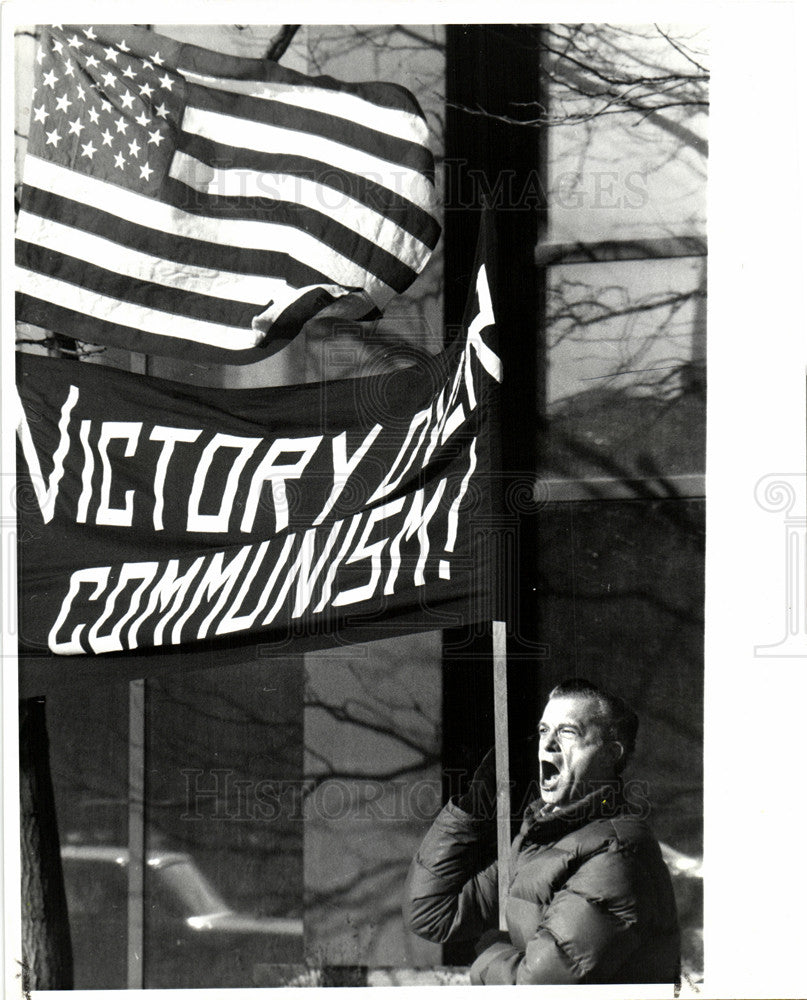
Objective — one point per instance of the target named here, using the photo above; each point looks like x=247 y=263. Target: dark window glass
x=223 y=895
x=88 y=730
x=372 y=739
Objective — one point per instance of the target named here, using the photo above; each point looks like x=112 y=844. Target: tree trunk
x=46 y=952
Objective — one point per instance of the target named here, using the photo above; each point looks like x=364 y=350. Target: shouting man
x=590 y=898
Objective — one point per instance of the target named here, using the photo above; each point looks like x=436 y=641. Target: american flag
x=180 y=201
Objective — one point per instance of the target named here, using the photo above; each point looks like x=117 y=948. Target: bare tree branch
x=674 y=128
x=282 y=41
x=679 y=48
x=343 y=713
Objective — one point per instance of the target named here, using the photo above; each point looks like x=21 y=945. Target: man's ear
x=617 y=751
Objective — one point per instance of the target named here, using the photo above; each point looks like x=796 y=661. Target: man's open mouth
x=550 y=775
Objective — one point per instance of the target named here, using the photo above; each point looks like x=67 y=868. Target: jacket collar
x=546 y=826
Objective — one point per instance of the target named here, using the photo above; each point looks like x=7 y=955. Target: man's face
x=573 y=753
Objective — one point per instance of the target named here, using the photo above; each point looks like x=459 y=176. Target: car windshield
x=189 y=886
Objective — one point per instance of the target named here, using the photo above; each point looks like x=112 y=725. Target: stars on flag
x=111 y=106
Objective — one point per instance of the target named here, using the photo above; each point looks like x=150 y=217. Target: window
x=623 y=257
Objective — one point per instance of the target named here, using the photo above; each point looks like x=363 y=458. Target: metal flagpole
x=501 y=744
x=137 y=835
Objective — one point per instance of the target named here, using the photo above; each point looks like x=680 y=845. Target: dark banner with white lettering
x=155 y=514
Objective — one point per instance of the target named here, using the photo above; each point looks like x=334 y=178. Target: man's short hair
x=618 y=719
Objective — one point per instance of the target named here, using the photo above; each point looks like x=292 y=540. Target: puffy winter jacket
x=590 y=898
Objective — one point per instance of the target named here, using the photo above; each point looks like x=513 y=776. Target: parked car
x=192 y=938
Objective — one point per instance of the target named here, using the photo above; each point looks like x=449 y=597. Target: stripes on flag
x=180 y=201
x=349 y=213
x=339 y=104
